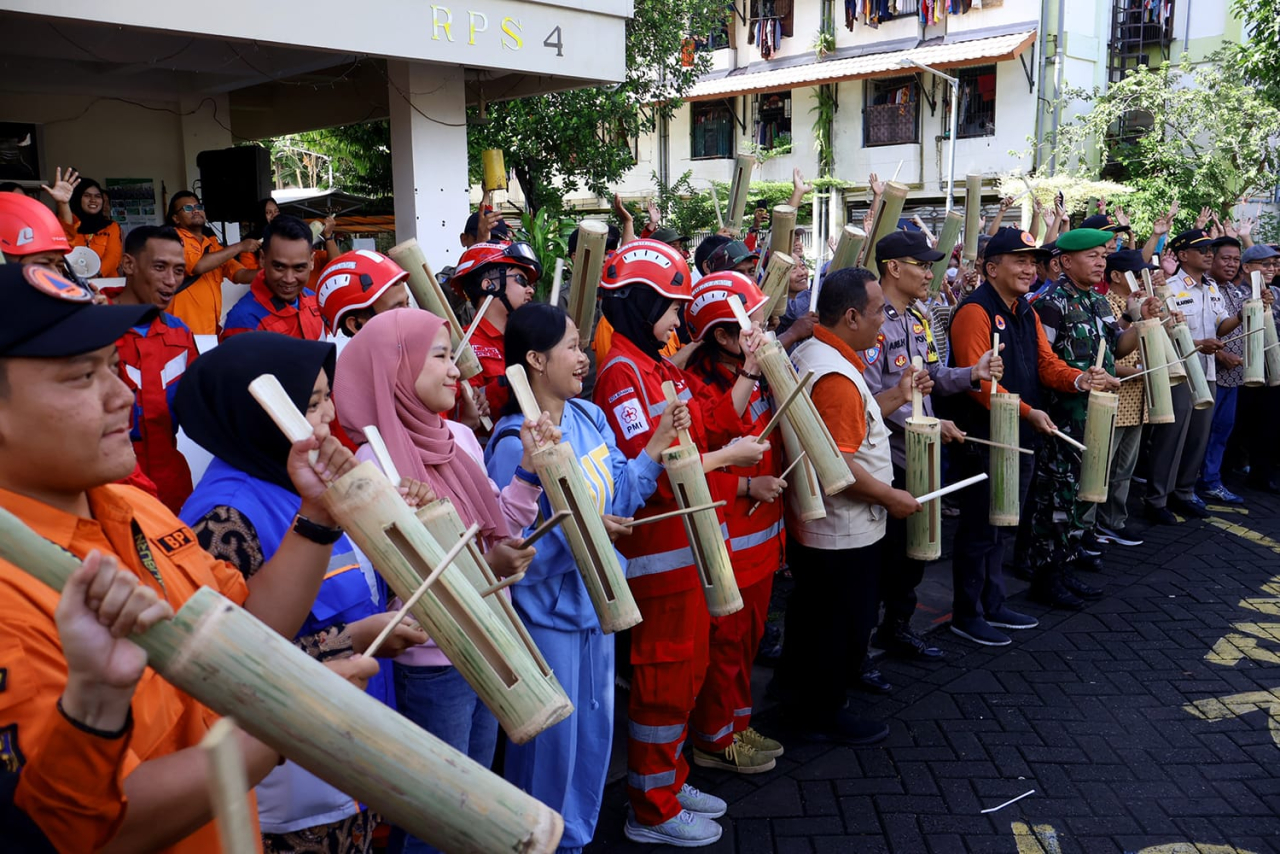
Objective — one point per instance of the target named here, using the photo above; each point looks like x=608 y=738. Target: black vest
x=1017 y=330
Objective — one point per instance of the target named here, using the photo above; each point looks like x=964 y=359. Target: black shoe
x=872 y=681
x=1055 y=595
x=1088 y=563
x=1160 y=515
x=1079 y=588
x=1090 y=544
x=1190 y=509
x=899 y=640
x=846 y=728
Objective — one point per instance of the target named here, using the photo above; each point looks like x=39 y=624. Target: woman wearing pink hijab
x=398 y=375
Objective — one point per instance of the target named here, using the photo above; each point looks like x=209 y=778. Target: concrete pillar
x=203 y=120
x=429 y=158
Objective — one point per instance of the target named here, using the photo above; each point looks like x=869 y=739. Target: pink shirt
x=519 y=503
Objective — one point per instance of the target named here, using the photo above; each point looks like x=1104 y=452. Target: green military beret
x=1080 y=239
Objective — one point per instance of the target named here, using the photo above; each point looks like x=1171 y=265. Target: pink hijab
x=373 y=384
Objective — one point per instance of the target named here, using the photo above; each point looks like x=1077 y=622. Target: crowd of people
x=95 y=386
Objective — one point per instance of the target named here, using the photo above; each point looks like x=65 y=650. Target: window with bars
x=891 y=112
x=710 y=129
x=977 y=102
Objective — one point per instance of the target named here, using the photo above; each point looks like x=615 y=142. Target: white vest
x=850 y=523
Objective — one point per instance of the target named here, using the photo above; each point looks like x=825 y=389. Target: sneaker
x=1090 y=544
x=1007 y=618
x=1192 y=507
x=1080 y=588
x=1160 y=515
x=979 y=631
x=763 y=745
x=738 y=757
x=872 y=681
x=1221 y=493
x=686 y=830
x=700 y=803
x=899 y=640
x=1055 y=595
x=848 y=729
x=1123 y=536
x=1137 y=478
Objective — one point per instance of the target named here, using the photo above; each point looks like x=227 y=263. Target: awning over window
x=941 y=56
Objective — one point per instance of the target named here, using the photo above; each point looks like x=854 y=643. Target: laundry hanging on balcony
x=771 y=22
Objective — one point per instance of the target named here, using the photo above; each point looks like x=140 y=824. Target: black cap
x=1102 y=222
x=49 y=317
x=706 y=247
x=906 y=244
x=669 y=236
x=1007 y=241
x=1227 y=241
x=610 y=243
x=729 y=255
x=501 y=231
x=1128 y=261
x=1193 y=238
x=1052 y=248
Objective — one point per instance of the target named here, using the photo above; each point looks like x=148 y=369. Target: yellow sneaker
x=738 y=757
x=763 y=745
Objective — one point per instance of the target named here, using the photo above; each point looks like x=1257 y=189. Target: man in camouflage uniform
x=1076 y=320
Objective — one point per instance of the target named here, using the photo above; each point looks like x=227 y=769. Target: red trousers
x=724 y=704
x=669 y=662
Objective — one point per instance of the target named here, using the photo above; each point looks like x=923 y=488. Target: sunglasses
x=914 y=262
x=192 y=208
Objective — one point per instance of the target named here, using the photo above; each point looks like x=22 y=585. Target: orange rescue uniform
x=199 y=305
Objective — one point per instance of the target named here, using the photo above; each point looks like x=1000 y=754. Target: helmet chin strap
x=499 y=292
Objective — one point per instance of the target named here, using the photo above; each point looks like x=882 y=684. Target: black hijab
x=89 y=223
x=632 y=311
x=214 y=406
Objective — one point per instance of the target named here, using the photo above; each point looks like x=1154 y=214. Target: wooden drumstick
x=783 y=407
x=381 y=454
x=683 y=511
x=471 y=330
x=1072 y=442
x=545 y=528
x=519 y=382
x=1102 y=353
x=917 y=398
x=992 y=444
x=955 y=487
x=669 y=392
x=555 y=282
x=783 y=476
x=229 y=788
x=272 y=397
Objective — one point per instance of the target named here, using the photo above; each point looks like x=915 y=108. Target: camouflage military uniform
x=1074 y=322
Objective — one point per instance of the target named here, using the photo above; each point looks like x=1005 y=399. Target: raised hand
x=63 y=185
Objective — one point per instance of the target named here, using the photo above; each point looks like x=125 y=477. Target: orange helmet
x=711 y=301
x=28 y=227
x=352 y=281
x=649 y=262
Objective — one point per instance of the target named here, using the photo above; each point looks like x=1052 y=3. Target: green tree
x=1259 y=57
x=564 y=141
x=1209 y=139
x=359 y=155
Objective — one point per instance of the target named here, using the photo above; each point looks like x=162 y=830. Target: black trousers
x=977 y=558
x=899 y=575
x=830 y=614
x=1257 y=419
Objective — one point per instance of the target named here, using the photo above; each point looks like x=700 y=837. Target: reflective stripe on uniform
x=718 y=734
x=645 y=782
x=746 y=541
x=742 y=713
x=654 y=734
x=759 y=409
x=659 y=562
x=655 y=409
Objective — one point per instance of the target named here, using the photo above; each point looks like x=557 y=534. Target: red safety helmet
x=352 y=281
x=711 y=301
x=28 y=227
x=468 y=275
x=649 y=262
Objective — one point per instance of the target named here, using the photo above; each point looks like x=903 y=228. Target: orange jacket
x=199 y=305
x=107 y=244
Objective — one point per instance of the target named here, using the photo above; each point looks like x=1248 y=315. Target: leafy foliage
x=548 y=235
x=1210 y=141
x=360 y=156
x=1259 y=58
x=564 y=141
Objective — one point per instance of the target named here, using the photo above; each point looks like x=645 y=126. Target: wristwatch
x=321 y=535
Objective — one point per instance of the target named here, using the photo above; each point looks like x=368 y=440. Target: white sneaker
x=686 y=830
x=700 y=803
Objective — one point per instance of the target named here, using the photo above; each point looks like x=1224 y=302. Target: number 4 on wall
x=555 y=40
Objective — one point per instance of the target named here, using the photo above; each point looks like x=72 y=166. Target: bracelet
x=321 y=535
x=98 y=733
x=1076 y=381
x=748 y=486
x=741 y=373
x=527 y=476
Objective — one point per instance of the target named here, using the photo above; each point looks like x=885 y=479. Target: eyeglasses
x=192 y=208
x=914 y=262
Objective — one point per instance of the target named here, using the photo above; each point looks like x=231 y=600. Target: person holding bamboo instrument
x=240 y=512
x=398 y=375
x=905 y=261
x=1260 y=407
x=644 y=286
x=566 y=766
x=507 y=272
x=725 y=366
x=64 y=440
x=999 y=305
x=836 y=560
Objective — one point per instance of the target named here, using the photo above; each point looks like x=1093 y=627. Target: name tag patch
x=176 y=541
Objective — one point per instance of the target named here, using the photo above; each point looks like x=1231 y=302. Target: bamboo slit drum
x=1099 y=428
x=924 y=475
x=833 y=472
x=444 y=523
x=1155 y=385
x=782 y=229
x=804 y=493
x=848 y=249
x=429 y=295
x=1201 y=396
x=895 y=196
x=495 y=172
x=707 y=539
x=1255 y=366
x=231 y=662
x=1270 y=349
x=588 y=266
x=972 y=215
x=743 y=166
x=565 y=485
x=947 y=241
x=777 y=283
x=1005 y=419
